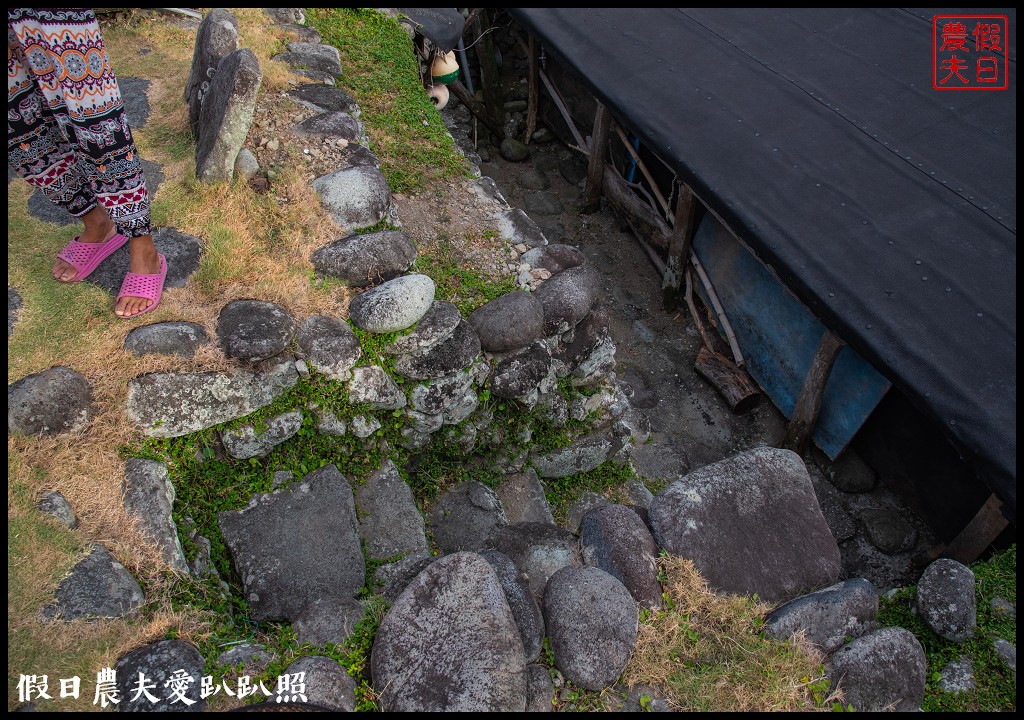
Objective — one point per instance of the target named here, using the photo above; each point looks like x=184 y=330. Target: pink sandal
x=84 y=257
x=141 y=285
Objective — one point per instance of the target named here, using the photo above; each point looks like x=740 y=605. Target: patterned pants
x=67 y=133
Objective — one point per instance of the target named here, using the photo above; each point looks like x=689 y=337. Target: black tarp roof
x=889 y=208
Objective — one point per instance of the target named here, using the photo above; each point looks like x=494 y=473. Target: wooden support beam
x=534 y=93
x=731 y=382
x=643 y=169
x=490 y=79
x=583 y=147
x=475 y=106
x=679 y=246
x=977 y=535
x=645 y=221
x=595 y=166
x=808 y=404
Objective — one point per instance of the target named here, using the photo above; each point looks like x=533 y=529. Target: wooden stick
x=693 y=310
x=595 y=166
x=679 y=245
x=977 y=535
x=732 y=383
x=531 y=108
x=474 y=106
x=565 y=113
x=489 y=77
x=643 y=169
x=648 y=224
x=808 y=404
x=730 y=336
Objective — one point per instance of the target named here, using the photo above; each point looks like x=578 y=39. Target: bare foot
x=98 y=229
x=143 y=258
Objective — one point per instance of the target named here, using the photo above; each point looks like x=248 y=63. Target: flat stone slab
x=394 y=305
x=356 y=197
x=301 y=33
x=334 y=124
x=182 y=252
x=371 y=385
x=296 y=546
x=226 y=115
x=827 y=617
x=522 y=497
x=254 y=330
x=312 y=56
x=325 y=98
x=463 y=517
x=582 y=455
x=249 y=441
x=173 y=670
x=459 y=351
x=136 y=103
x=330 y=619
x=751 y=524
x=517 y=227
x=167 y=338
x=51 y=402
x=98 y=587
x=450 y=643
x=363 y=260
x=509 y=322
x=390 y=523
x=542 y=202
x=174 y=404
x=330 y=346
x=148 y=497
x=592 y=623
x=437 y=325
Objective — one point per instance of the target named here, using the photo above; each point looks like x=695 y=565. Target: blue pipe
x=632 y=168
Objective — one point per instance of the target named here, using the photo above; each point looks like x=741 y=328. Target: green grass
x=380 y=72
x=466 y=288
x=995 y=689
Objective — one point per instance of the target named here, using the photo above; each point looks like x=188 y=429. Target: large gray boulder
x=160 y=663
x=615 y=539
x=362 y=260
x=508 y=322
x=827 y=617
x=538 y=550
x=751 y=524
x=520 y=600
x=567 y=298
x=98 y=587
x=592 y=623
x=327 y=684
x=148 y=497
x=883 y=670
x=519 y=375
x=442 y=394
x=450 y=643
x=51 y=402
x=456 y=353
x=175 y=404
x=356 y=197
x=394 y=305
x=946 y=599
x=437 y=325
x=254 y=330
x=464 y=517
x=371 y=385
x=329 y=345
x=226 y=115
x=296 y=546
x=167 y=338
x=216 y=37
x=389 y=521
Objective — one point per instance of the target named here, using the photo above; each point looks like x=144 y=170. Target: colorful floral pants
x=67 y=133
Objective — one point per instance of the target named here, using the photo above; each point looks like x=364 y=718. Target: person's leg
x=66 y=56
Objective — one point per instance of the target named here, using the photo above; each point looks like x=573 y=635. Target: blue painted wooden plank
x=778 y=336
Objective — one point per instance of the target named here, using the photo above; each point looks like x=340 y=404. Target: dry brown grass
x=705 y=653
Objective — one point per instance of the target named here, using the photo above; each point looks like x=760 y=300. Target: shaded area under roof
x=887 y=207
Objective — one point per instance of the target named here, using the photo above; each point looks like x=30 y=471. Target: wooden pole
x=475 y=106
x=977 y=535
x=531 y=108
x=731 y=382
x=679 y=246
x=808 y=404
x=583 y=147
x=490 y=80
x=595 y=166
x=643 y=169
x=646 y=222
x=730 y=336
